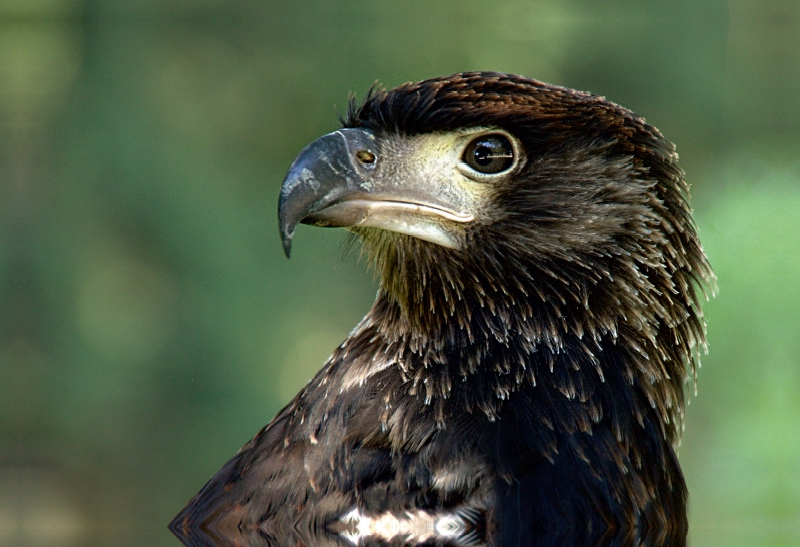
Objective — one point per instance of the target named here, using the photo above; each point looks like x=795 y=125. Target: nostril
x=366 y=157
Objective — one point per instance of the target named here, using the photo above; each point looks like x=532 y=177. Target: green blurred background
x=149 y=323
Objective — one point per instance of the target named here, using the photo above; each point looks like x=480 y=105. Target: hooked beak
x=342 y=180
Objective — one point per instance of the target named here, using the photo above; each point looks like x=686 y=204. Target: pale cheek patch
x=413 y=527
x=433 y=160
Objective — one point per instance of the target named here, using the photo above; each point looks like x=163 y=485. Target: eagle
x=522 y=376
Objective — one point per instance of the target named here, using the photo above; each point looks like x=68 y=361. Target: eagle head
x=496 y=206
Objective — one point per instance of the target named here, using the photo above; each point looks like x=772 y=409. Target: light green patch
x=741 y=456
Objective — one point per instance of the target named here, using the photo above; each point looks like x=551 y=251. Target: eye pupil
x=489 y=154
x=483 y=155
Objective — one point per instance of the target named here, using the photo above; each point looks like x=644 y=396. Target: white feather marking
x=358 y=376
x=413 y=526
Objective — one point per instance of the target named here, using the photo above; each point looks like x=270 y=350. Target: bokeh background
x=149 y=323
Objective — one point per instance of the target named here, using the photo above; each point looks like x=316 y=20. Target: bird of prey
x=520 y=379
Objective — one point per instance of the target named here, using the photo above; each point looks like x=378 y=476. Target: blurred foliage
x=149 y=324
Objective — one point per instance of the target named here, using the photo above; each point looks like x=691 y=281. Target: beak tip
x=286 y=240
x=286 y=226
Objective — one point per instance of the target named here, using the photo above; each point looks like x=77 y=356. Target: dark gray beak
x=333 y=168
x=346 y=178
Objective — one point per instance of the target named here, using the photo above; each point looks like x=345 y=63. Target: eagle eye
x=489 y=154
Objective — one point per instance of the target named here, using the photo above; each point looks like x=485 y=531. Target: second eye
x=489 y=154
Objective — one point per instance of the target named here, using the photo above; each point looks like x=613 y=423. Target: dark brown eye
x=489 y=154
